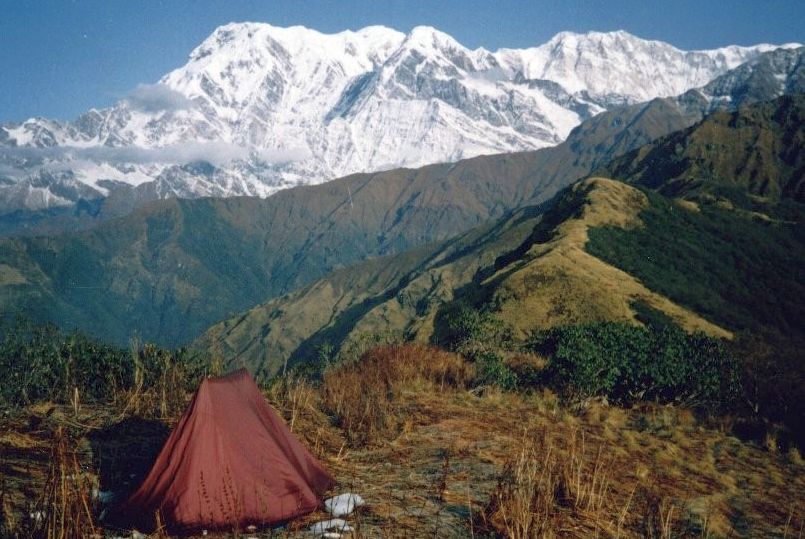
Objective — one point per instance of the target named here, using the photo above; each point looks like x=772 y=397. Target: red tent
x=230 y=462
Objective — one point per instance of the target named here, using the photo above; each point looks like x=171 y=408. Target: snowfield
x=259 y=108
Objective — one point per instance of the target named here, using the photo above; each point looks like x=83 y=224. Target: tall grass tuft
x=361 y=395
x=548 y=481
x=65 y=510
x=161 y=381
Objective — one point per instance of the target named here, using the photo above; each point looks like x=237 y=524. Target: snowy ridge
x=259 y=108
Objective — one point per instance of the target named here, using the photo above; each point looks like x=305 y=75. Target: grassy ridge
x=734 y=269
x=757 y=150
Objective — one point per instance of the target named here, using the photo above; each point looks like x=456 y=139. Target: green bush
x=493 y=371
x=480 y=337
x=42 y=363
x=463 y=329
x=628 y=363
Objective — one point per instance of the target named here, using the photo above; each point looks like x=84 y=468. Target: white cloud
x=217 y=153
x=157 y=98
x=493 y=74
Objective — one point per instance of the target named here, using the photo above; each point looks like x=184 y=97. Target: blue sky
x=58 y=58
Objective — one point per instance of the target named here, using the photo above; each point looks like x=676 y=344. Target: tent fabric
x=229 y=462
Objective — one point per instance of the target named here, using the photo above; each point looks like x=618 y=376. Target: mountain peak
x=429 y=37
x=594 y=35
x=241 y=37
x=595 y=40
x=253 y=94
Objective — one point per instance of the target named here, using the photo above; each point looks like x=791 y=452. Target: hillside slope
x=532 y=268
x=715 y=154
x=171 y=269
x=729 y=241
x=200 y=260
x=536 y=269
x=197 y=261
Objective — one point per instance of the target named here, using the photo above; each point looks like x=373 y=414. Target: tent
x=229 y=462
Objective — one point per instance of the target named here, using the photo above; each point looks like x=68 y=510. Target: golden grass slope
x=394 y=296
x=553 y=283
x=10 y=276
x=558 y=282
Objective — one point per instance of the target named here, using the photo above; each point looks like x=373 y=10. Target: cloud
x=217 y=153
x=493 y=74
x=157 y=98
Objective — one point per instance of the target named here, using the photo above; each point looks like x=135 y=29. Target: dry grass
x=300 y=404
x=65 y=509
x=442 y=461
x=687 y=204
x=164 y=399
x=549 y=483
x=362 y=395
x=458 y=463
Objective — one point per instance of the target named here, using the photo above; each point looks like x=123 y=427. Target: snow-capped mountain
x=258 y=108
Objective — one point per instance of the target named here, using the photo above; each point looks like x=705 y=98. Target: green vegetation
x=623 y=362
x=726 y=266
x=480 y=337
x=759 y=376
x=628 y=363
x=754 y=151
x=42 y=363
x=466 y=330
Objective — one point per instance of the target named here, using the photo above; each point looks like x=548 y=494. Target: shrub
x=461 y=328
x=480 y=337
x=493 y=371
x=627 y=363
x=42 y=363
